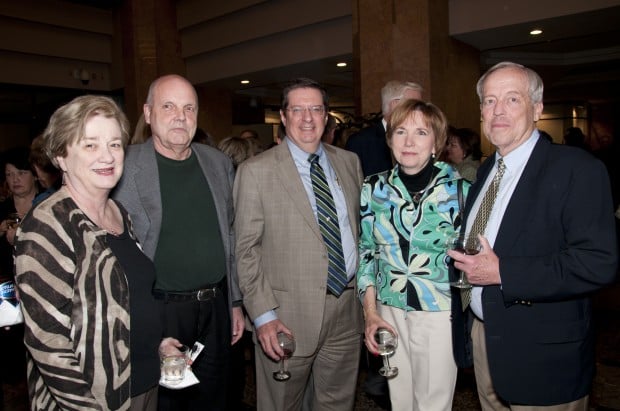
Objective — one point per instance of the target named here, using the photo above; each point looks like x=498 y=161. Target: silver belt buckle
x=205 y=294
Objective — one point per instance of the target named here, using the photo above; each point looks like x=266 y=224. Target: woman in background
x=463 y=151
x=22 y=186
x=49 y=177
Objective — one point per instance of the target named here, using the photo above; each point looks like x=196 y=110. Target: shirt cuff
x=265 y=318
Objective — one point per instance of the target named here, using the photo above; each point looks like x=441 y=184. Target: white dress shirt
x=515 y=162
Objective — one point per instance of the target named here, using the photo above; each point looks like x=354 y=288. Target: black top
x=6 y=250
x=145 y=312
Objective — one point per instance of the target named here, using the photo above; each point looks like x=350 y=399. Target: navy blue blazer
x=371 y=147
x=556 y=246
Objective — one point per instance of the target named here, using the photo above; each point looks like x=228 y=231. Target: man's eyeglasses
x=298 y=111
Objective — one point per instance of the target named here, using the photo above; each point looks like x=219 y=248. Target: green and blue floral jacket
x=402 y=244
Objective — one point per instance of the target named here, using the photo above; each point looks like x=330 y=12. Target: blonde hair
x=66 y=126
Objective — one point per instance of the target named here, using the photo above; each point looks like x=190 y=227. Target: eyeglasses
x=298 y=111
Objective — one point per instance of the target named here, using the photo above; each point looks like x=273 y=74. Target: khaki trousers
x=489 y=401
x=333 y=368
x=426 y=368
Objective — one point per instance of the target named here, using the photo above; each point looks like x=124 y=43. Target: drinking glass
x=173 y=365
x=13 y=220
x=387 y=343
x=471 y=247
x=287 y=343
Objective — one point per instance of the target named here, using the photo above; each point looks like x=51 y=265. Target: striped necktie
x=330 y=230
x=482 y=218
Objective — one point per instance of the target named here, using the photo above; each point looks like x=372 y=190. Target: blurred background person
x=330 y=130
x=49 y=177
x=142 y=131
x=575 y=137
x=463 y=151
x=22 y=188
x=238 y=149
x=370 y=144
x=407 y=215
x=92 y=326
x=203 y=137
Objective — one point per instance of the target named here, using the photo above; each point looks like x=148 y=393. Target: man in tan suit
x=282 y=259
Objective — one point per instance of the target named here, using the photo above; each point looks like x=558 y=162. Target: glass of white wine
x=387 y=343
x=287 y=343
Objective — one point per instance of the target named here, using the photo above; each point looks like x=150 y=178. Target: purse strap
x=461 y=200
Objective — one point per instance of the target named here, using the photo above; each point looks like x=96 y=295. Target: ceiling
x=577 y=55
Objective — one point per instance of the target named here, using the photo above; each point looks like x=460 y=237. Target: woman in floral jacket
x=407 y=214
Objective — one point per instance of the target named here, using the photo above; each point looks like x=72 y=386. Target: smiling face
x=412 y=143
x=303 y=119
x=94 y=163
x=172 y=114
x=508 y=114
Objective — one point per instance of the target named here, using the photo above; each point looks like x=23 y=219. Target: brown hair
x=431 y=113
x=66 y=126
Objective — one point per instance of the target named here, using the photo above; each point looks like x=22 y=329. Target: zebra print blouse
x=75 y=302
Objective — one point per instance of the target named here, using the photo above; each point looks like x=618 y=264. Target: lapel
x=217 y=183
x=522 y=199
x=293 y=186
x=147 y=183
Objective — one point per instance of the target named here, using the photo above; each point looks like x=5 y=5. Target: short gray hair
x=395 y=89
x=535 y=83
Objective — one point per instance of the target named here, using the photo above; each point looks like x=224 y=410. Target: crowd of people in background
x=131 y=246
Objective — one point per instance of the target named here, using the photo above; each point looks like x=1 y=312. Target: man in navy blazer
x=369 y=143
x=549 y=244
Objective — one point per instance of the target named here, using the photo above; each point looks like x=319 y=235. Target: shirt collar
x=517 y=158
x=299 y=155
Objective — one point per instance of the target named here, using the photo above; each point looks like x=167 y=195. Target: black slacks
x=209 y=323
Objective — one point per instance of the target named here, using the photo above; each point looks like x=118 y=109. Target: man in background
x=370 y=144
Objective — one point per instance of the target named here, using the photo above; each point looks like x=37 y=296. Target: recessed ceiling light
x=341 y=64
x=536 y=32
x=245 y=81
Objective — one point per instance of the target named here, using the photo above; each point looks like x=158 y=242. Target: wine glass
x=470 y=247
x=387 y=343
x=287 y=343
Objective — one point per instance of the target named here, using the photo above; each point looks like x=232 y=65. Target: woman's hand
x=373 y=320
x=10 y=234
x=372 y=323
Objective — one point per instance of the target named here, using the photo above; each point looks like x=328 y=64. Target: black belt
x=203 y=294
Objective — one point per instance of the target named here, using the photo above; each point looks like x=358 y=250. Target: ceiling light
x=245 y=81
x=341 y=64
x=536 y=32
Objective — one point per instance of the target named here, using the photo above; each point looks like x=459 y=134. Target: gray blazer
x=139 y=192
x=281 y=256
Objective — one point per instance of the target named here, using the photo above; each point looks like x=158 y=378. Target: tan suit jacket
x=281 y=258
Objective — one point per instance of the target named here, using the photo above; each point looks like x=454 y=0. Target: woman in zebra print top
x=76 y=258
